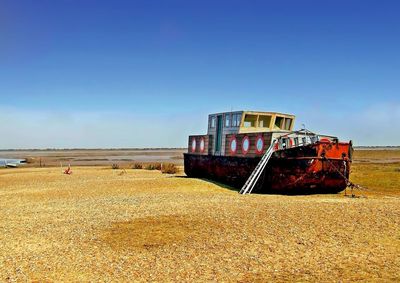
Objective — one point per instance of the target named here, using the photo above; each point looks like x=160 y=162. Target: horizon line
x=152 y=148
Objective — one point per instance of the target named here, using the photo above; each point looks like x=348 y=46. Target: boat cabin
x=250 y=122
x=241 y=133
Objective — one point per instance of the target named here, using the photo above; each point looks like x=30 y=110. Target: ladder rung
x=255 y=175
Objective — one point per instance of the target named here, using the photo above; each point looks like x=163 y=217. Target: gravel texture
x=103 y=225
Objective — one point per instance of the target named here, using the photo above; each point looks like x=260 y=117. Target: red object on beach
x=68 y=171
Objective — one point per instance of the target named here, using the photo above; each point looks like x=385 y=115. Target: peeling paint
x=314 y=168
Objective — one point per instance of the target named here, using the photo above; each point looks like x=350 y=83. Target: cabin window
x=236 y=120
x=212 y=122
x=227 y=120
x=264 y=121
x=288 y=124
x=278 y=123
x=250 y=120
x=296 y=141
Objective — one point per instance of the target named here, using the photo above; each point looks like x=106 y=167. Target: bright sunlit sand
x=100 y=224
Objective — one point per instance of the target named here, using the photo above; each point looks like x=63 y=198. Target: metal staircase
x=255 y=175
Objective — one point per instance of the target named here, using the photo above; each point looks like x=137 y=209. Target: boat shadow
x=224 y=186
x=259 y=191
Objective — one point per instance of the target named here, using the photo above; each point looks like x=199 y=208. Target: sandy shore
x=112 y=225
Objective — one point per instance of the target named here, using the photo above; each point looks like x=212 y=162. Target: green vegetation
x=169 y=168
x=137 y=166
x=153 y=166
x=378 y=178
x=165 y=168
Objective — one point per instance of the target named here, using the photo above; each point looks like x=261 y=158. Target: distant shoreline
x=93 y=149
x=126 y=157
x=393 y=147
x=361 y=147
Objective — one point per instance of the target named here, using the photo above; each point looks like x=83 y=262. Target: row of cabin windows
x=283 y=123
x=250 y=120
x=264 y=121
x=231 y=120
x=212 y=123
x=236 y=119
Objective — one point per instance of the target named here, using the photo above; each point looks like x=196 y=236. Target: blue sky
x=146 y=73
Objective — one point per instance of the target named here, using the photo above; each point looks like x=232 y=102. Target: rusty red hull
x=316 y=168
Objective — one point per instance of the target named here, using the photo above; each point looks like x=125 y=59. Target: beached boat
x=296 y=162
x=11 y=163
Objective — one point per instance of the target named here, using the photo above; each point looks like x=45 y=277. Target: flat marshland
x=100 y=224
